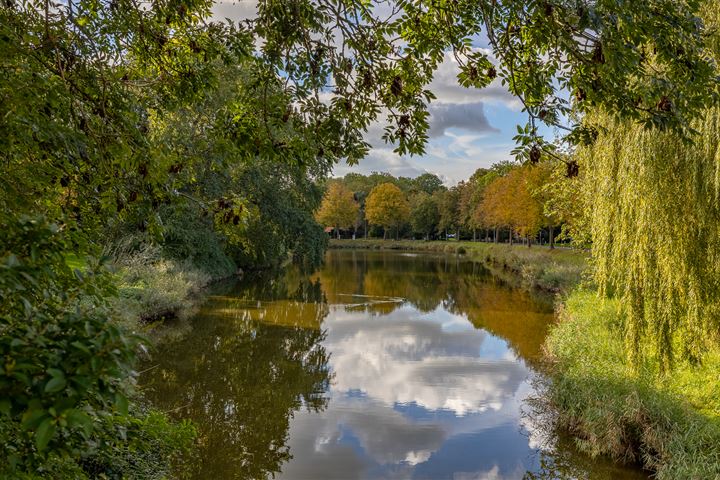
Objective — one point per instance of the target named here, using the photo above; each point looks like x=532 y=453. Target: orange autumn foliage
x=509 y=202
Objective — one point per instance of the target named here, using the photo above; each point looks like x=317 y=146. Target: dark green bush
x=190 y=237
x=65 y=367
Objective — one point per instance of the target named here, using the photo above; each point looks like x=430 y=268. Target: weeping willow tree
x=655 y=221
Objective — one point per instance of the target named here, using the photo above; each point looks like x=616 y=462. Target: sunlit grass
x=668 y=423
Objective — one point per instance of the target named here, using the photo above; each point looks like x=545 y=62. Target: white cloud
x=466 y=116
x=406 y=358
x=493 y=474
x=462 y=155
x=382 y=160
x=387 y=437
x=447 y=90
x=236 y=10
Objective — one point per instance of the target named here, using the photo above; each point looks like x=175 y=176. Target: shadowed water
x=379 y=365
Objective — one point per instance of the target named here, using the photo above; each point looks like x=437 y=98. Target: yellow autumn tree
x=338 y=208
x=492 y=205
x=509 y=202
x=524 y=208
x=387 y=206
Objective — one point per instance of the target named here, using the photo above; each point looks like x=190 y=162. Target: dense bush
x=189 y=237
x=66 y=372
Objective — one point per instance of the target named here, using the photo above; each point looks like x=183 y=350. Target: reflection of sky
x=415 y=395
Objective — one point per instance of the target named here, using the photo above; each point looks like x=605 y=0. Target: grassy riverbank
x=151 y=290
x=553 y=270
x=670 y=424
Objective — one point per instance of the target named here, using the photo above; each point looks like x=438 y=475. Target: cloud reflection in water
x=407 y=386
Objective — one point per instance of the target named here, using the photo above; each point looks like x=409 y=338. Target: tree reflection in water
x=457 y=285
x=240 y=379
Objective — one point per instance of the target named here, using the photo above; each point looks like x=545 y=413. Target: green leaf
x=55 y=384
x=121 y=403
x=79 y=345
x=44 y=433
x=78 y=419
x=24 y=366
x=82 y=381
x=32 y=418
x=22 y=377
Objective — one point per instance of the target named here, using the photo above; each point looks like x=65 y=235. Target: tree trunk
x=397 y=232
x=511 y=237
x=529 y=241
x=337 y=233
x=384 y=233
x=552 y=237
x=474 y=237
x=495 y=237
x=366 y=230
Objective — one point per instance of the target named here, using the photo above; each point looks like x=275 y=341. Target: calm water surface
x=381 y=365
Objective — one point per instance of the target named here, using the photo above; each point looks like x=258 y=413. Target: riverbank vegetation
x=669 y=424
x=637 y=362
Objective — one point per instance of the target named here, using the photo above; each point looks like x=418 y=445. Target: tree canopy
x=646 y=64
x=650 y=202
x=424 y=214
x=338 y=208
x=655 y=233
x=386 y=205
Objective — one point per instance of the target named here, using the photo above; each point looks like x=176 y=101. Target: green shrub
x=66 y=371
x=190 y=238
x=152 y=288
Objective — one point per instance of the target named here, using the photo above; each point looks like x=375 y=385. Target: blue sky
x=469 y=128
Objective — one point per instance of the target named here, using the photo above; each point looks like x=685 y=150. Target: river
x=380 y=365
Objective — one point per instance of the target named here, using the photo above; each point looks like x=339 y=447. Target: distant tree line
x=507 y=202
